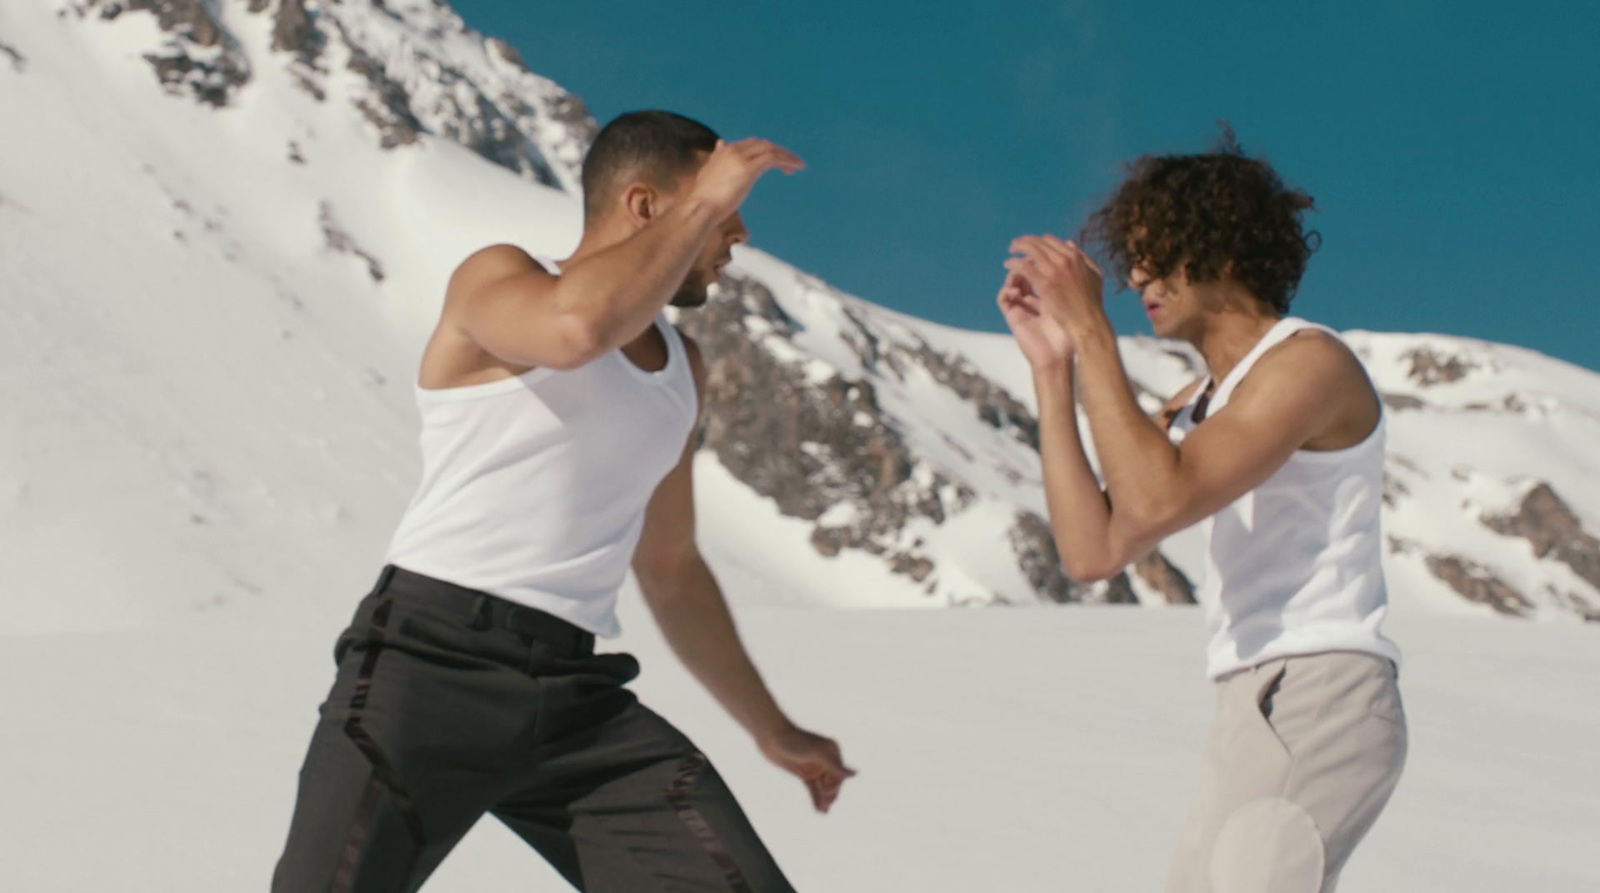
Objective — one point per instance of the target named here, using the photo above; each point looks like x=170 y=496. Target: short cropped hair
x=654 y=146
x=1213 y=214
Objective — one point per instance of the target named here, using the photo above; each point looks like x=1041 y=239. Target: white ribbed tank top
x=1295 y=566
x=534 y=487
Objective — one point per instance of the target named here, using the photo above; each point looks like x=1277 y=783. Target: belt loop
x=383 y=579
x=478 y=615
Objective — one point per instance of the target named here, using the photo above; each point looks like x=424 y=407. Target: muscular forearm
x=620 y=290
x=1079 y=515
x=1138 y=461
x=689 y=607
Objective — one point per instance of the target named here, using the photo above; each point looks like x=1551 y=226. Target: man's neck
x=597 y=240
x=1225 y=338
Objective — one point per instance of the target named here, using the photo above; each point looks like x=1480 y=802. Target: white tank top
x=1295 y=566
x=534 y=488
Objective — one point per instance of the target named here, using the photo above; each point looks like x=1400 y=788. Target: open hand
x=727 y=177
x=814 y=759
x=1044 y=341
x=1067 y=282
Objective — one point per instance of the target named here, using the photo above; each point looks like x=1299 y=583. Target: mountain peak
x=211 y=332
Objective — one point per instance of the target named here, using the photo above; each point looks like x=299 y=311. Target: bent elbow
x=578 y=341
x=1095 y=573
x=1088 y=568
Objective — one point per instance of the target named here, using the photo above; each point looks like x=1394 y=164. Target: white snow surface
x=1021 y=751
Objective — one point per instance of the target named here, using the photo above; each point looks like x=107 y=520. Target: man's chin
x=694 y=292
x=689 y=298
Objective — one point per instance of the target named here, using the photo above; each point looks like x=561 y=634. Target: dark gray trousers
x=450 y=703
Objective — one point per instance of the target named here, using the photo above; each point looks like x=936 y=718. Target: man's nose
x=738 y=234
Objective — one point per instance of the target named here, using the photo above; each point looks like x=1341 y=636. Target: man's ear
x=642 y=202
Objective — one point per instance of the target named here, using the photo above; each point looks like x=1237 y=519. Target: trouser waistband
x=481 y=610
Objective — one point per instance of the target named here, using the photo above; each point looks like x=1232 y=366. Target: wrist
x=1053 y=369
x=699 y=208
x=1090 y=330
x=1053 y=383
x=770 y=728
x=700 y=212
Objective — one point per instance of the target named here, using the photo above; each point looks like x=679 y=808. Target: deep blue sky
x=1453 y=148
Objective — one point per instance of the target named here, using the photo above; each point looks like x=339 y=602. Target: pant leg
x=1303 y=755
x=402 y=761
x=1347 y=727
x=632 y=806
x=1190 y=861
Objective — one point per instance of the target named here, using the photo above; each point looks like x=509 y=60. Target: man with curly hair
x=1278 y=454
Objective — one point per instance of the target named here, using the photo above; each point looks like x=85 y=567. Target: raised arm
x=516 y=311
x=689 y=607
x=1154 y=488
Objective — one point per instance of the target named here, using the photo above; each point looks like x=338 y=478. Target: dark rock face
x=294 y=31
x=1394 y=489
x=1476 y=583
x=508 y=53
x=823 y=450
x=1549 y=525
x=1428 y=367
x=387 y=106
x=1118 y=591
x=184 y=18
x=571 y=112
x=343 y=243
x=1401 y=402
x=199 y=57
x=1034 y=545
x=993 y=403
x=1163 y=576
x=483 y=127
x=410 y=91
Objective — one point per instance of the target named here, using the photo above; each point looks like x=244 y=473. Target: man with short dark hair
x=557 y=406
x=1278 y=454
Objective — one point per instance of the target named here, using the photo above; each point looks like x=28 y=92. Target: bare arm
x=689 y=607
x=515 y=310
x=1153 y=487
x=1157 y=488
x=1080 y=513
x=1080 y=510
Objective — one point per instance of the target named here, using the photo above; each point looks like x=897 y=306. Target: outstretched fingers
x=765 y=155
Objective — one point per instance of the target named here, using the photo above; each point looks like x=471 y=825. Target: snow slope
x=1001 y=750
x=215 y=289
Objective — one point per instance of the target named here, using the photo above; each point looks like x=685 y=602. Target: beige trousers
x=1303 y=756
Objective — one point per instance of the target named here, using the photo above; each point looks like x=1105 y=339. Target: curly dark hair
x=1214 y=214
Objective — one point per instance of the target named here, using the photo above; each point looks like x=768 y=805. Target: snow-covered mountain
x=225 y=227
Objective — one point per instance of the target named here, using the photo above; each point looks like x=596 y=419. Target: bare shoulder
x=1316 y=357
x=1315 y=376
x=489 y=265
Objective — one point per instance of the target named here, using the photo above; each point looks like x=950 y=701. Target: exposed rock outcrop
x=1549 y=525
x=1479 y=584
x=1430 y=367
x=340 y=241
x=198 y=58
